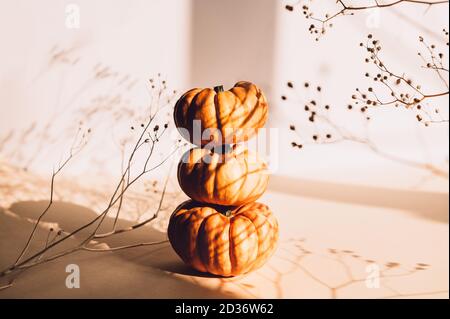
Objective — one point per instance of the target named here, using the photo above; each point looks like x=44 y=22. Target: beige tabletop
x=393 y=246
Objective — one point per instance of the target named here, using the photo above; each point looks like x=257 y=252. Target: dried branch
x=402 y=90
x=124 y=247
x=344 y=9
x=145 y=222
x=76 y=147
x=325 y=130
x=150 y=135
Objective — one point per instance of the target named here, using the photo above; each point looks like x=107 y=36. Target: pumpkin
x=221 y=240
x=225 y=117
x=230 y=176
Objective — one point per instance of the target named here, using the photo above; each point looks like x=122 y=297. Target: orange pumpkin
x=223 y=241
x=225 y=117
x=232 y=176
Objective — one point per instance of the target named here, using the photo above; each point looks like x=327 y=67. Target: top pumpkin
x=223 y=117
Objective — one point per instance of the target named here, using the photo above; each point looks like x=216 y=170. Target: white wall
x=233 y=41
x=209 y=42
x=137 y=38
x=336 y=62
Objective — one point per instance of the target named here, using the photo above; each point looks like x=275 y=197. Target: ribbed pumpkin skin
x=233 y=178
x=237 y=113
x=209 y=241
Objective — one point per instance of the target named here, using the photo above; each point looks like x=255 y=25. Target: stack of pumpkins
x=222 y=230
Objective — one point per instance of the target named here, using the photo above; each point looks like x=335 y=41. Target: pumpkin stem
x=228 y=213
x=218 y=88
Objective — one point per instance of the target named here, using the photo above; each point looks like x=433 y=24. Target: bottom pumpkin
x=221 y=240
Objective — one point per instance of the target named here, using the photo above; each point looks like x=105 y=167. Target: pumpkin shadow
x=179 y=267
x=159 y=266
x=154 y=265
x=69 y=217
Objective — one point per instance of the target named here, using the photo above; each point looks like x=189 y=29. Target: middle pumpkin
x=231 y=176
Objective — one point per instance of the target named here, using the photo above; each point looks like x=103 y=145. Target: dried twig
x=76 y=147
x=402 y=90
x=325 y=130
x=124 y=247
x=150 y=135
x=345 y=9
